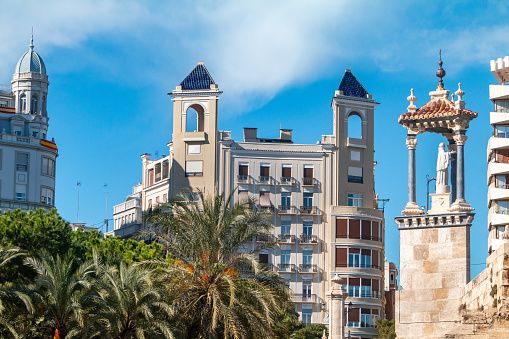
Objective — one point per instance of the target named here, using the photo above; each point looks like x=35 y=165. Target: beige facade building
x=322 y=196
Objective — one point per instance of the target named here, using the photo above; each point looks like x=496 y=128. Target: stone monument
x=435 y=244
x=337 y=298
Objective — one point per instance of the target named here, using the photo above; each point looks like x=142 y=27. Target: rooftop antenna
x=78 y=212
x=157 y=155
x=106 y=219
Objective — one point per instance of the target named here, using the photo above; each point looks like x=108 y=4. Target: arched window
x=33 y=104
x=195 y=117
x=23 y=103
x=43 y=105
x=355 y=126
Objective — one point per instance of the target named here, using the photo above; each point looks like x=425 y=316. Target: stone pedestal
x=337 y=312
x=440 y=202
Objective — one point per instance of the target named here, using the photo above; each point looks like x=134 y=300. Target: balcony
x=268 y=267
x=305 y=298
x=266 y=209
x=289 y=268
x=286 y=238
x=309 y=210
x=125 y=231
x=308 y=268
x=244 y=179
x=308 y=239
x=309 y=182
x=369 y=295
x=265 y=180
x=286 y=209
x=287 y=181
x=364 y=266
x=133 y=203
x=265 y=238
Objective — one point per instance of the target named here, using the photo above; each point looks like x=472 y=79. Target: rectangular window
x=157 y=168
x=265 y=199
x=502 y=156
x=21 y=192
x=341 y=228
x=150 y=177
x=308 y=171
x=308 y=199
x=355 y=200
x=47 y=196
x=286 y=199
x=354 y=287
x=341 y=257
x=392 y=279
x=263 y=258
x=355 y=174
x=354 y=257
x=194 y=149
x=22 y=162
x=243 y=169
x=165 y=197
x=376 y=288
x=264 y=170
x=194 y=168
x=366 y=229
x=285 y=257
x=366 y=288
x=285 y=227
x=355 y=155
x=353 y=317
x=375 y=260
x=366 y=258
x=365 y=318
x=287 y=171
x=307 y=228
x=306 y=316
x=166 y=169
x=502 y=207
x=375 y=231
x=307 y=257
x=306 y=287
x=48 y=166
x=354 y=227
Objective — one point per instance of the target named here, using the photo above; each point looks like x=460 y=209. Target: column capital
x=411 y=142
x=460 y=139
x=452 y=147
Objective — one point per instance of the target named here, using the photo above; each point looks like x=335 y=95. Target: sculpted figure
x=442 y=166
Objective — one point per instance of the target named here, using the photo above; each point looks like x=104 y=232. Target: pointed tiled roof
x=199 y=78
x=351 y=86
x=434 y=109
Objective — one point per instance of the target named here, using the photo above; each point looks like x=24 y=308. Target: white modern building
x=498 y=157
x=322 y=197
x=27 y=157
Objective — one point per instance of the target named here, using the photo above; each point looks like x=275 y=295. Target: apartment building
x=27 y=157
x=498 y=157
x=322 y=196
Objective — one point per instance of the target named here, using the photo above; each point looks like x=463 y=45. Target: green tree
x=312 y=331
x=60 y=292
x=129 y=304
x=386 y=329
x=219 y=290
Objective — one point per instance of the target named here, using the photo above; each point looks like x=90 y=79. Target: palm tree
x=219 y=289
x=60 y=293
x=129 y=304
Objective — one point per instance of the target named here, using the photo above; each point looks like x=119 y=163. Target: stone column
x=411 y=207
x=337 y=311
x=460 y=204
x=452 y=149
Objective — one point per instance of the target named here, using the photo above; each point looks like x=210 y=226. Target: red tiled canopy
x=435 y=109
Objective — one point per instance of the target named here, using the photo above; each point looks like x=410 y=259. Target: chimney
x=285 y=134
x=250 y=134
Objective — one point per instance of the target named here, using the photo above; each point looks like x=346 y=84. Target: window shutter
x=375 y=260
x=341 y=257
x=341 y=228
x=366 y=282
x=366 y=229
x=375 y=285
x=355 y=231
x=355 y=171
x=265 y=199
x=353 y=315
x=354 y=281
x=287 y=172
x=194 y=166
x=376 y=234
x=308 y=172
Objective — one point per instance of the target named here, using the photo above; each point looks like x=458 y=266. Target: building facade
x=322 y=197
x=27 y=157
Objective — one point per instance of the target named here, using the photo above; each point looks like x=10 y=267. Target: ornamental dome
x=30 y=62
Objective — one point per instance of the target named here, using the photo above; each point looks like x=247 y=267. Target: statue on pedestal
x=442 y=169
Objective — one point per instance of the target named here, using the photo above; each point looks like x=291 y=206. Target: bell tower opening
x=355 y=126
x=195 y=119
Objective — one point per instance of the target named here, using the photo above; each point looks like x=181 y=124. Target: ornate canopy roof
x=437 y=109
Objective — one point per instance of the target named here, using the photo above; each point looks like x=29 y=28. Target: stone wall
x=434 y=270
x=490 y=289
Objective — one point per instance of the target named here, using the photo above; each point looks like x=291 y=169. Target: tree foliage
x=386 y=329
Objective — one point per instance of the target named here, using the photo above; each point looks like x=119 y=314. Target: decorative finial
x=32 y=40
x=336 y=278
x=412 y=98
x=460 y=104
x=440 y=73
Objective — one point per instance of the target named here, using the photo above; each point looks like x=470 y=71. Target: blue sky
x=111 y=64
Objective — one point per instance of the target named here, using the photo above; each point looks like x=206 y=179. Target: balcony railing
x=360 y=324
x=362 y=237
x=286 y=209
x=305 y=298
x=366 y=266
x=286 y=268
x=308 y=239
x=311 y=210
x=269 y=209
x=287 y=181
x=265 y=238
x=504 y=186
x=268 y=267
x=309 y=181
x=370 y=295
x=265 y=180
x=308 y=268
x=244 y=179
x=286 y=238
x=127 y=205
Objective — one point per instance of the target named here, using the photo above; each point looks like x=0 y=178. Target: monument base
x=412 y=209
x=460 y=205
x=440 y=203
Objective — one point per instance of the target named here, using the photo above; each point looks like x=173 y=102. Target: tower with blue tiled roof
x=195 y=134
